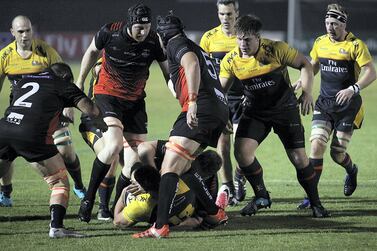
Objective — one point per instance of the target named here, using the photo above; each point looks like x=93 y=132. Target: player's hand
x=69 y=114
x=297 y=85
x=192 y=120
x=344 y=96
x=135 y=188
x=306 y=102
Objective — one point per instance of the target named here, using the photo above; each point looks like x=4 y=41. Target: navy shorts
x=132 y=114
x=286 y=124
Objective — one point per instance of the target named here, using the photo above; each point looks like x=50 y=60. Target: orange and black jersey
x=211 y=98
x=264 y=76
x=38 y=100
x=340 y=62
x=126 y=62
x=217 y=44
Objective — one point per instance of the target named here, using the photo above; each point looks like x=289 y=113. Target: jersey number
x=211 y=68
x=20 y=101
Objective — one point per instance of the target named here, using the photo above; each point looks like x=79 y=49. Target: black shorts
x=286 y=124
x=235 y=108
x=31 y=151
x=132 y=114
x=207 y=133
x=89 y=132
x=343 y=118
x=160 y=153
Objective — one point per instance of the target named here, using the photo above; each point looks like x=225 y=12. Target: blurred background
x=69 y=25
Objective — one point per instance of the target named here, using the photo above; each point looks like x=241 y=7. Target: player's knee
x=59 y=186
x=62 y=137
x=298 y=158
x=180 y=150
x=113 y=122
x=337 y=153
x=319 y=136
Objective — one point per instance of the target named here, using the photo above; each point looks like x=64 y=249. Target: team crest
x=343 y=51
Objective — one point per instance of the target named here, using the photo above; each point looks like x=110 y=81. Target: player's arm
x=119 y=219
x=190 y=64
x=2 y=79
x=86 y=105
x=306 y=76
x=165 y=70
x=88 y=60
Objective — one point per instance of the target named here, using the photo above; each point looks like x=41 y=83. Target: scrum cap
x=168 y=27
x=139 y=14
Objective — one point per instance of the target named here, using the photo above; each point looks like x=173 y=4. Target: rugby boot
x=240 y=187
x=80 y=193
x=320 y=212
x=350 y=182
x=212 y=221
x=304 y=204
x=222 y=199
x=153 y=232
x=85 y=211
x=255 y=204
x=5 y=201
x=64 y=233
x=104 y=214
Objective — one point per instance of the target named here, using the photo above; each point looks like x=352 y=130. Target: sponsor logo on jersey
x=259 y=83
x=15 y=118
x=343 y=51
x=333 y=67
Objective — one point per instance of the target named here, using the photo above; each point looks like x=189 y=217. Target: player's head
x=139 y=21
x=335 y=22
x=248 y=34
x=63 y=71
x=22 y=31
x=169 y=26
x=227 y=11
x=148 y=178
x=207 y=163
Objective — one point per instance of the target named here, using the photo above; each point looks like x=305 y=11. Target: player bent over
x=203 y=118
x=38 y=100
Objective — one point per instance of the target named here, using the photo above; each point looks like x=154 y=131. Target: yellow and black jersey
x=140 y=208
x=340 y=62
x=13 y=65
x=265 y=76
x=217 y=44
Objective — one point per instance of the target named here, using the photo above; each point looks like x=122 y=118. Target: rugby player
x=217 y=42
x=203 y=117
x=93 y=138
x=340 y=57
x=27 y=55
x=131 y=209
x=27 y=131
x=261 y=65
x=129 y=50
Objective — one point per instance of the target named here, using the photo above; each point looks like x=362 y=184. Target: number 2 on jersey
x=21 y=100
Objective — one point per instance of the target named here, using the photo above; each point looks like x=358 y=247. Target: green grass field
x=353 y=225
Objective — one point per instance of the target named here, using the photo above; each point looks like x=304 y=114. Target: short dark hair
x=207 y=163
x=63 y=71
x=227 y=2
x=148 y=177
x=248 y=24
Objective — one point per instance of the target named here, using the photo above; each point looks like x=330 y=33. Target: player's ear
x=11 y=31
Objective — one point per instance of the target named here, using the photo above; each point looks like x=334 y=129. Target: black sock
x=317 y=165
x=122 y=182
x=212 y=183
x=307 y=179
x=57 y=215
x=99 y=171
x=196 y=184
x=104 y=191
x=74 y=171
x=7 y=190
x=167 y=191
x=254 y=174
x=347 y=164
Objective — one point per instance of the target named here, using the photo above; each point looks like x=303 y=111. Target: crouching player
x=134 y=206
x=37 y=104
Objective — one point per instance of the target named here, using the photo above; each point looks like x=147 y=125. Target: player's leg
x=6 y=186
x=340 y=156
x=113 y=139
x=63 y=141
x=54 y=173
